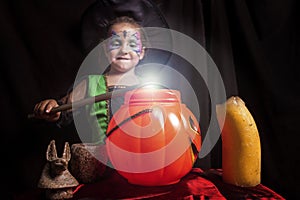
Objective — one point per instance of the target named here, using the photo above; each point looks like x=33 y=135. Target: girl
x=124 y=50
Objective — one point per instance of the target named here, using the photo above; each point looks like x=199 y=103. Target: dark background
x=255 y=44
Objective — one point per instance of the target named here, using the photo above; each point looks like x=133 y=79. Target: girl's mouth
x=122 y=58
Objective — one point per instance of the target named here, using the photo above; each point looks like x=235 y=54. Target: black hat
x=97 y=17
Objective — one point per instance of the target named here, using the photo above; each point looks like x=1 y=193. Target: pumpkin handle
x=148 y=110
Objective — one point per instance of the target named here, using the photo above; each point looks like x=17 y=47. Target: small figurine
x=56 y=178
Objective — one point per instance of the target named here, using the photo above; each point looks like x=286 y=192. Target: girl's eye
x=133 y=44
x=115 y=43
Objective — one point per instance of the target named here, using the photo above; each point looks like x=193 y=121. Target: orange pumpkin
x=153 y=139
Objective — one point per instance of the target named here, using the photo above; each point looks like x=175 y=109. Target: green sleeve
x=99 y=110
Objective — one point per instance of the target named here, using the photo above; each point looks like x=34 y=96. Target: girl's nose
x=125 y=49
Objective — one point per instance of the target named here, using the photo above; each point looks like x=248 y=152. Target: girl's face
x=124 y=47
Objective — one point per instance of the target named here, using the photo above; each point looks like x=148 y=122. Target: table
x=197 y=184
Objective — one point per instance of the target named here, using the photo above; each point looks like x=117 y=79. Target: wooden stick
x=89 y=100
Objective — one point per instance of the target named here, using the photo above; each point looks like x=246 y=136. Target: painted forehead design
x=126 y=34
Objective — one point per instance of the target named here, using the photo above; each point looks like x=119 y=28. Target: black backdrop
x=254 y=43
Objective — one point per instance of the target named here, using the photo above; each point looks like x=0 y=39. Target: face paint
x=115 y=41
x=132 y=40
x=124 y=34
x=136 y=42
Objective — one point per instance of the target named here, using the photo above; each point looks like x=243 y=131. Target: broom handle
x=89 y=100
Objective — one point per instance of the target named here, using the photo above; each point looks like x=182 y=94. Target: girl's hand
x=42 y=110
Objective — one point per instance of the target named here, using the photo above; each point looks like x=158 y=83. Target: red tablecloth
x=197 y=184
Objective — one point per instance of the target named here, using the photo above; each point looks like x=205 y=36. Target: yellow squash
x=241 y=149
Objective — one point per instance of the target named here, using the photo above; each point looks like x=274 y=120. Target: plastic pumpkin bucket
x=153 y=139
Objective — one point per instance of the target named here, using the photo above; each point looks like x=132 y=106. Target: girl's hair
x=124 y=19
